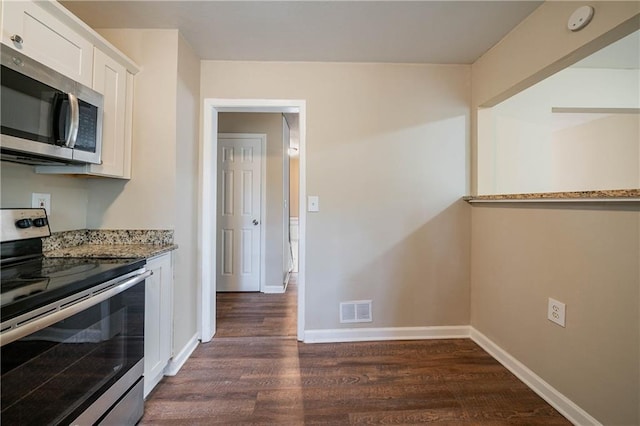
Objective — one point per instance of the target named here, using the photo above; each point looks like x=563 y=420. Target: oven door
x=55 y=374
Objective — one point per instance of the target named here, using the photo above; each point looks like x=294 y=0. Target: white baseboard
x=176 y=363
x=273 y=289
x=388 y=333
x=557 y=400
x=151 y=382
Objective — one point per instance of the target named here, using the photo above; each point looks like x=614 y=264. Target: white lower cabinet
x=158 y=319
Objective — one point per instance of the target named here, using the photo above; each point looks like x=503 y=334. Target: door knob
x=255 y=222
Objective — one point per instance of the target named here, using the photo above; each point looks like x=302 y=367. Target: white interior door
x=240 y=162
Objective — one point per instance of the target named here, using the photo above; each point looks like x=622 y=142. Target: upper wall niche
x=578 y=130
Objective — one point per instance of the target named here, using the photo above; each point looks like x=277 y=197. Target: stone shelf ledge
x=608 y=196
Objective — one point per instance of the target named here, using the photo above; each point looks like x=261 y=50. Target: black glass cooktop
x=34 y=283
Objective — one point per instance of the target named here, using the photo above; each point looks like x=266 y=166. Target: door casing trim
x=207 y=204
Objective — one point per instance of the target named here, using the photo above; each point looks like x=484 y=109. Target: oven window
x=54 y=374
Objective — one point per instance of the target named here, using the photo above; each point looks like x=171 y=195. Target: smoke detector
x=580 y=18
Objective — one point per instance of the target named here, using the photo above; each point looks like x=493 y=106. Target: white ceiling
x=452 y=32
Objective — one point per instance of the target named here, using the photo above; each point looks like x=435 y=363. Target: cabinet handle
x=17 y=39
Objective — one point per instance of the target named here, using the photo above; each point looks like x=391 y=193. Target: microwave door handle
x=74 y=123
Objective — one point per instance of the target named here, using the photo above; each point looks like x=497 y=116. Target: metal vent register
x=355 y=311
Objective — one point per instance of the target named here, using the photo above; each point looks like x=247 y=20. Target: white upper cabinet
x=110 y=79
x=53 y=36
x=36 y=33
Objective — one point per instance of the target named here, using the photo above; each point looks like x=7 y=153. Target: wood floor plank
x=254 y=372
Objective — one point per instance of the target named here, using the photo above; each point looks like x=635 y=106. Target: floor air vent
x=355 y=311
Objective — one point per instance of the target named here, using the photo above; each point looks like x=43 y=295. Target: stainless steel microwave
x=46 y=117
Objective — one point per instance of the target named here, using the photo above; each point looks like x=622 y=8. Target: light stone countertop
x=112 y=250
x=608 y=195
x=109 y=243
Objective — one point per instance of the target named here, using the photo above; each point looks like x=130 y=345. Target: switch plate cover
x=313 y=203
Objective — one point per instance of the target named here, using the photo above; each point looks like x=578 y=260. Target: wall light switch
x=313 y=203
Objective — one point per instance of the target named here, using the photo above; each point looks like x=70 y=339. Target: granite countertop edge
x=613 y=195
x=115 y=251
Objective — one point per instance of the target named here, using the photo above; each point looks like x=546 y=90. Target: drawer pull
x=17 y=39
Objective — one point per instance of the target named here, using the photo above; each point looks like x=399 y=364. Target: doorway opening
x=208 y=261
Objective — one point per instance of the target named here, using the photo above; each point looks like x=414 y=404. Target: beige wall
x=185 y=295
x=271 y=125
x=68 y=195
x=586 y=257
x=148 y=200
x=583 y=255
x=599 y=154
x=386 y=154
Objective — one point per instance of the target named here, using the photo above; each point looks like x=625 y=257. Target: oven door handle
x=62 y=313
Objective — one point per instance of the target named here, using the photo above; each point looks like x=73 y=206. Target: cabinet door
x=158 y=320
x=47 y=40
x=110 y=79
x=128 y=127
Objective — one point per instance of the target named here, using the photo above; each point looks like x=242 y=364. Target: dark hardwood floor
x=255 y=372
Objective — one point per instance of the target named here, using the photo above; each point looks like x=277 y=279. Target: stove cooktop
x=34 y=283
x=30 y=280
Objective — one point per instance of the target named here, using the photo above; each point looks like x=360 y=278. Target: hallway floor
x=255 y=372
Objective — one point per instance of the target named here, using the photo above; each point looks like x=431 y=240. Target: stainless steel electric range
x=71 y=332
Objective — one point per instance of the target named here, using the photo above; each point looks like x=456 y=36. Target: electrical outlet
x=41 y=201
x=556 y=312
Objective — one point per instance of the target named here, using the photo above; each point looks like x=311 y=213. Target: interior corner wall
x=386 y=153
x=583 y=255
x=271 y=125
x=148 y=200
x=185 y=294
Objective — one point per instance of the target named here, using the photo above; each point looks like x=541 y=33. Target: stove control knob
x=24 y=223
x=40 y=222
